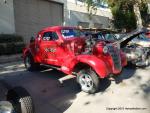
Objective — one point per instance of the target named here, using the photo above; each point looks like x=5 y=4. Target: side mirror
x=32 y=39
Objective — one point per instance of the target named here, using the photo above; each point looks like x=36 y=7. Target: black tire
x=93 y=80
x=21 y=100
x=29 y=63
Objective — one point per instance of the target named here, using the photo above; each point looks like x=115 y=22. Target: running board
x=67 y=77
x=54 y=67
x=111 y=77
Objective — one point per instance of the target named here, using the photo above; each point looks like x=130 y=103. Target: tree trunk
x=138 y=15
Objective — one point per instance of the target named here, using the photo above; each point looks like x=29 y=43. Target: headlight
x=105 y=49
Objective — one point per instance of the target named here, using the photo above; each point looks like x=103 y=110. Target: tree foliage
x=122 y=10
x=92 y=6
x=144 y=11
x=124 y=17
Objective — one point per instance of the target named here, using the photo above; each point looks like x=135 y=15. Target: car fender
x=123 y=59
x=27 y=51
x=98 y=65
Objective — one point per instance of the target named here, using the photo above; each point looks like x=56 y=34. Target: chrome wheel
x=86 y=82
x=147 y=62
x=28 y=62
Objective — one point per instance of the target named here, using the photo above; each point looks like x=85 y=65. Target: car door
x=49 y=48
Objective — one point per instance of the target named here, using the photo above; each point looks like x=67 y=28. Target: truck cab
x=68 y=49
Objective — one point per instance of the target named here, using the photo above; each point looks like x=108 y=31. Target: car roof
x=58 y=28
x=100 y=30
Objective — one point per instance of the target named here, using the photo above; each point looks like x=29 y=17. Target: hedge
x=8 y=38
x=11 y=44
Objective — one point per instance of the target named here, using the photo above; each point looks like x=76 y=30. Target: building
x=27 y=17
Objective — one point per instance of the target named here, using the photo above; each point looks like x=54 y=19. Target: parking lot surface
x=130 y=93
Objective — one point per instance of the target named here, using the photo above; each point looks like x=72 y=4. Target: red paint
x=67 y=53
x=148 y=34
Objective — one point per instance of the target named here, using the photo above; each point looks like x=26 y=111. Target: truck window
x=49 y=36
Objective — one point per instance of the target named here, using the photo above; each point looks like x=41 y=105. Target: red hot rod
x=71 y=52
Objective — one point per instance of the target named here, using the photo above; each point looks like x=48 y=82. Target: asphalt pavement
x=130 y=93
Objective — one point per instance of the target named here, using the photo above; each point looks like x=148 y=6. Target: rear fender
x=27 y=51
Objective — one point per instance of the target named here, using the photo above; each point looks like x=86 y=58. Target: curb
x=10 y=58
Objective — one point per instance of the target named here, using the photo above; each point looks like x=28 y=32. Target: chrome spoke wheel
x=147 y=62
x=86 y=82
x=28 y=62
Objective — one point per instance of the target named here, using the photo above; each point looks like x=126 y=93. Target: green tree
x=122 y=11
x=91 y=6
x=128 y=14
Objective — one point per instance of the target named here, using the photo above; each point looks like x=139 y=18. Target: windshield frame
x=104 y=37
x=73 y=34
x=141 y=37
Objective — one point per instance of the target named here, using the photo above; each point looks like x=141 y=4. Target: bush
x=19 y=47
x=11 y=48
x=8 y=38
x=11 y=44
x=2 y=49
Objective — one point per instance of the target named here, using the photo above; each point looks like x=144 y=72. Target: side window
x=50 y=36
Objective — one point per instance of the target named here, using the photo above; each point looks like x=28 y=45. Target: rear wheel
x=88 y=80
x=29 y=63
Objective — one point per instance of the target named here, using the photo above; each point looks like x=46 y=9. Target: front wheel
x=147 y=62
x=88 y=80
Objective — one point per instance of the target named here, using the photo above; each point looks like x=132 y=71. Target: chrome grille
x=114 y=52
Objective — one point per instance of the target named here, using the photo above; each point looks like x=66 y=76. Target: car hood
x=130 y=36
x=142 y=43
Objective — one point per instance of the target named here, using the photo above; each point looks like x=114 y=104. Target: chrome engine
x=112 y=49
x=137 y=55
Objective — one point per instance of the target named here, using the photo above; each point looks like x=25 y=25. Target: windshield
x=71 y=33
x=106 y=36
x=141 y=37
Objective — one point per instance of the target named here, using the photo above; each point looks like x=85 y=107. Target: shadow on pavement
x=146 y=89
x=47 y=93
x=104 y=84
x=127 y=73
